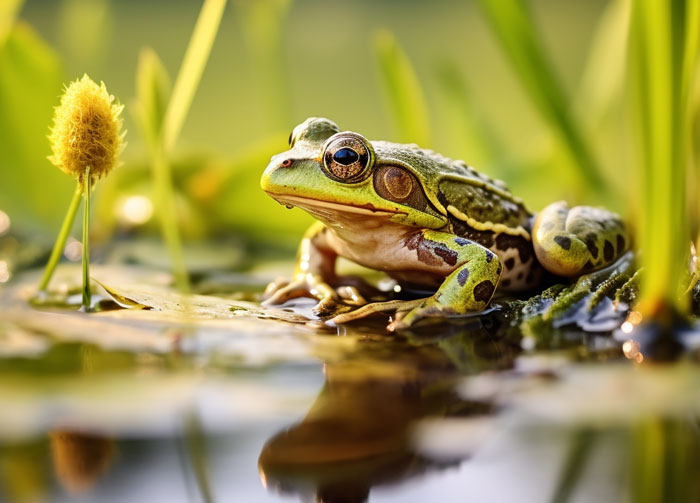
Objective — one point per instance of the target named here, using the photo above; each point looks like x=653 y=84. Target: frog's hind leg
x=467 y=289
x=572 y=241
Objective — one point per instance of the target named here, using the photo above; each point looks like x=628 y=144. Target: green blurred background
x=274 y=63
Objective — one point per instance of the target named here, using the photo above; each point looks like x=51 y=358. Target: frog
x=431 y=223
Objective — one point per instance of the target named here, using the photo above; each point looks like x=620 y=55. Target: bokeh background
x=276 y=62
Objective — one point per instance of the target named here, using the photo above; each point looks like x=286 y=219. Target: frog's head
x=327 y=172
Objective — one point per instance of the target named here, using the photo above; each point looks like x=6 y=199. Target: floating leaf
x=193 y=306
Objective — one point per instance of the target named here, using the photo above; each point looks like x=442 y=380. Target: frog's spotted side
x=427 y=221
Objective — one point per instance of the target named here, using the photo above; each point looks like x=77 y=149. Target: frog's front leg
x=314 y=270
x=468 y=288
x=572 y=241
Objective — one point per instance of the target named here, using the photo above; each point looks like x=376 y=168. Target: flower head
x=86 y=130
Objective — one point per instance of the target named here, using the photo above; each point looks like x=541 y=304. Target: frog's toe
x=293 y=290
x=428 y=309
x=282 y=295
x=274 y=286
x=329 y=307
x=375 y=307
x=351 y=295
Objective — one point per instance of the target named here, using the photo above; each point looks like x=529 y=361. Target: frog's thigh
x=571 y=241
x=472 y=284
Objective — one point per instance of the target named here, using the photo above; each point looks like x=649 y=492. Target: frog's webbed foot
x=376 y=307
x=355 y=287
x=427 y=308
x=330 y=302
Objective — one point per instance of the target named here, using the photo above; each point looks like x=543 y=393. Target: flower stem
x=60 y=243
x=87 y=295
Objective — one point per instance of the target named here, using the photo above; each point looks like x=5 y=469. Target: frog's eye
x=347 y=158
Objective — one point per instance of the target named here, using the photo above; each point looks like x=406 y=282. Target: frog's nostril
x=286 y=163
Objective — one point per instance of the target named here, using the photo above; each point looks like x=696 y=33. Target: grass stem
x=87 y=294
x=165 y=202
x=188 y=79
x=60 y=243
x=657 y=52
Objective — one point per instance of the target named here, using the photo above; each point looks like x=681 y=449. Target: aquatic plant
x=162 y=126
x=86 y=139
x=658 y=44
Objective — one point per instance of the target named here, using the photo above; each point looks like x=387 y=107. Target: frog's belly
x=378 y=244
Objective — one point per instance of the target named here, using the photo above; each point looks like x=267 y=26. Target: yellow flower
x=86 y=130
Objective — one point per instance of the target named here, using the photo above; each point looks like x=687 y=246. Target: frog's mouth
x=320 y=208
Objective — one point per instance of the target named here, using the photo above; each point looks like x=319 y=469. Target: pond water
x=203 y=398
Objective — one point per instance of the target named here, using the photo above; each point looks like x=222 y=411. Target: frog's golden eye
x=347 y=158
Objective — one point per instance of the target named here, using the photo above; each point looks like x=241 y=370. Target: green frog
x=427 y=221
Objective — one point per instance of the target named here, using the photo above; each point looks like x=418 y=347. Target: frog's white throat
x=323 y=210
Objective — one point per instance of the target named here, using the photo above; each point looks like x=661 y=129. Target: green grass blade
x=513 y=26
x=647 y=461
x=63 y=234
x=262 y=27
x=691 y=47
x=603 y=77
x=195 y=441
x=691 y=93
x=580 y=450
x=480 y=139
x=8 y=13
x=656 y=39
x=402 y=90
x=188 y=78
x=191 y=70
x=152 y=93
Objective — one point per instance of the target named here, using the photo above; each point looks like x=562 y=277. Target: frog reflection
x=357 y=434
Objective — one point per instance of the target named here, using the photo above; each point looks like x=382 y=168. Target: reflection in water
x=80 y=459
x=357 y=433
